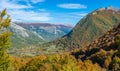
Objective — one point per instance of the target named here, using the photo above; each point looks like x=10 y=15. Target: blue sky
x=53 y=11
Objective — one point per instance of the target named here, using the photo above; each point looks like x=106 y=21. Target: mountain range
x=88 y=28
x=48 y=31
x=22 y=37
x=29 y=36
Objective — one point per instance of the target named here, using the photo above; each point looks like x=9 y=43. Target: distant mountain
x=48 y=31
x=88 y=28
x=24 y=38
x=27 y=37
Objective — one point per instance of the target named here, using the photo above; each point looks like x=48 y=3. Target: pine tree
x=5 y=60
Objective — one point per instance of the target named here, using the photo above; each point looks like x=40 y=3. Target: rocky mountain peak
x=105 y=10
x=108 y=8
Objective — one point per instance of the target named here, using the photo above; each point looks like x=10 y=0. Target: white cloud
x=18 y=11
x=29 y=16
x=12 y=5
x=72 y=15
x=37 y=1
x=72 y=6
x=77 y=15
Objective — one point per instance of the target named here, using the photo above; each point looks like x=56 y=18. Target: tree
x=5 y=60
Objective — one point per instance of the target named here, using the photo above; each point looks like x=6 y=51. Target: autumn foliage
x=97 y=56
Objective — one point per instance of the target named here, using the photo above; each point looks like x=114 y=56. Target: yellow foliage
x=107 y=61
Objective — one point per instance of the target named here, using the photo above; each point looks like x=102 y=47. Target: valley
x=92 y=45
x=31 y=36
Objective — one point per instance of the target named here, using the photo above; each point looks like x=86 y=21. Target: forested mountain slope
x=105 y=50
x=89 y=28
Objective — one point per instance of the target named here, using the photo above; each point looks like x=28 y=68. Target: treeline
x=56 y=62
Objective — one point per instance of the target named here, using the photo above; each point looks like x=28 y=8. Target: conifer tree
x=5 y=60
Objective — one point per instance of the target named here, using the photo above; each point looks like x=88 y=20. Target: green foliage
x=4 y=39
x=5 y=59
x=4 y=34
x=115 y=66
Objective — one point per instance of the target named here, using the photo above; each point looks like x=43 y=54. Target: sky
x=67 y=12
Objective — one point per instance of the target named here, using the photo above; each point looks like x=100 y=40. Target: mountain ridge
x=48 y=31
x=88 y=28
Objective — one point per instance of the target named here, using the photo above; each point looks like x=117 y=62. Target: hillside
x=48 y=31
x=105 y=50
x=88 y=28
